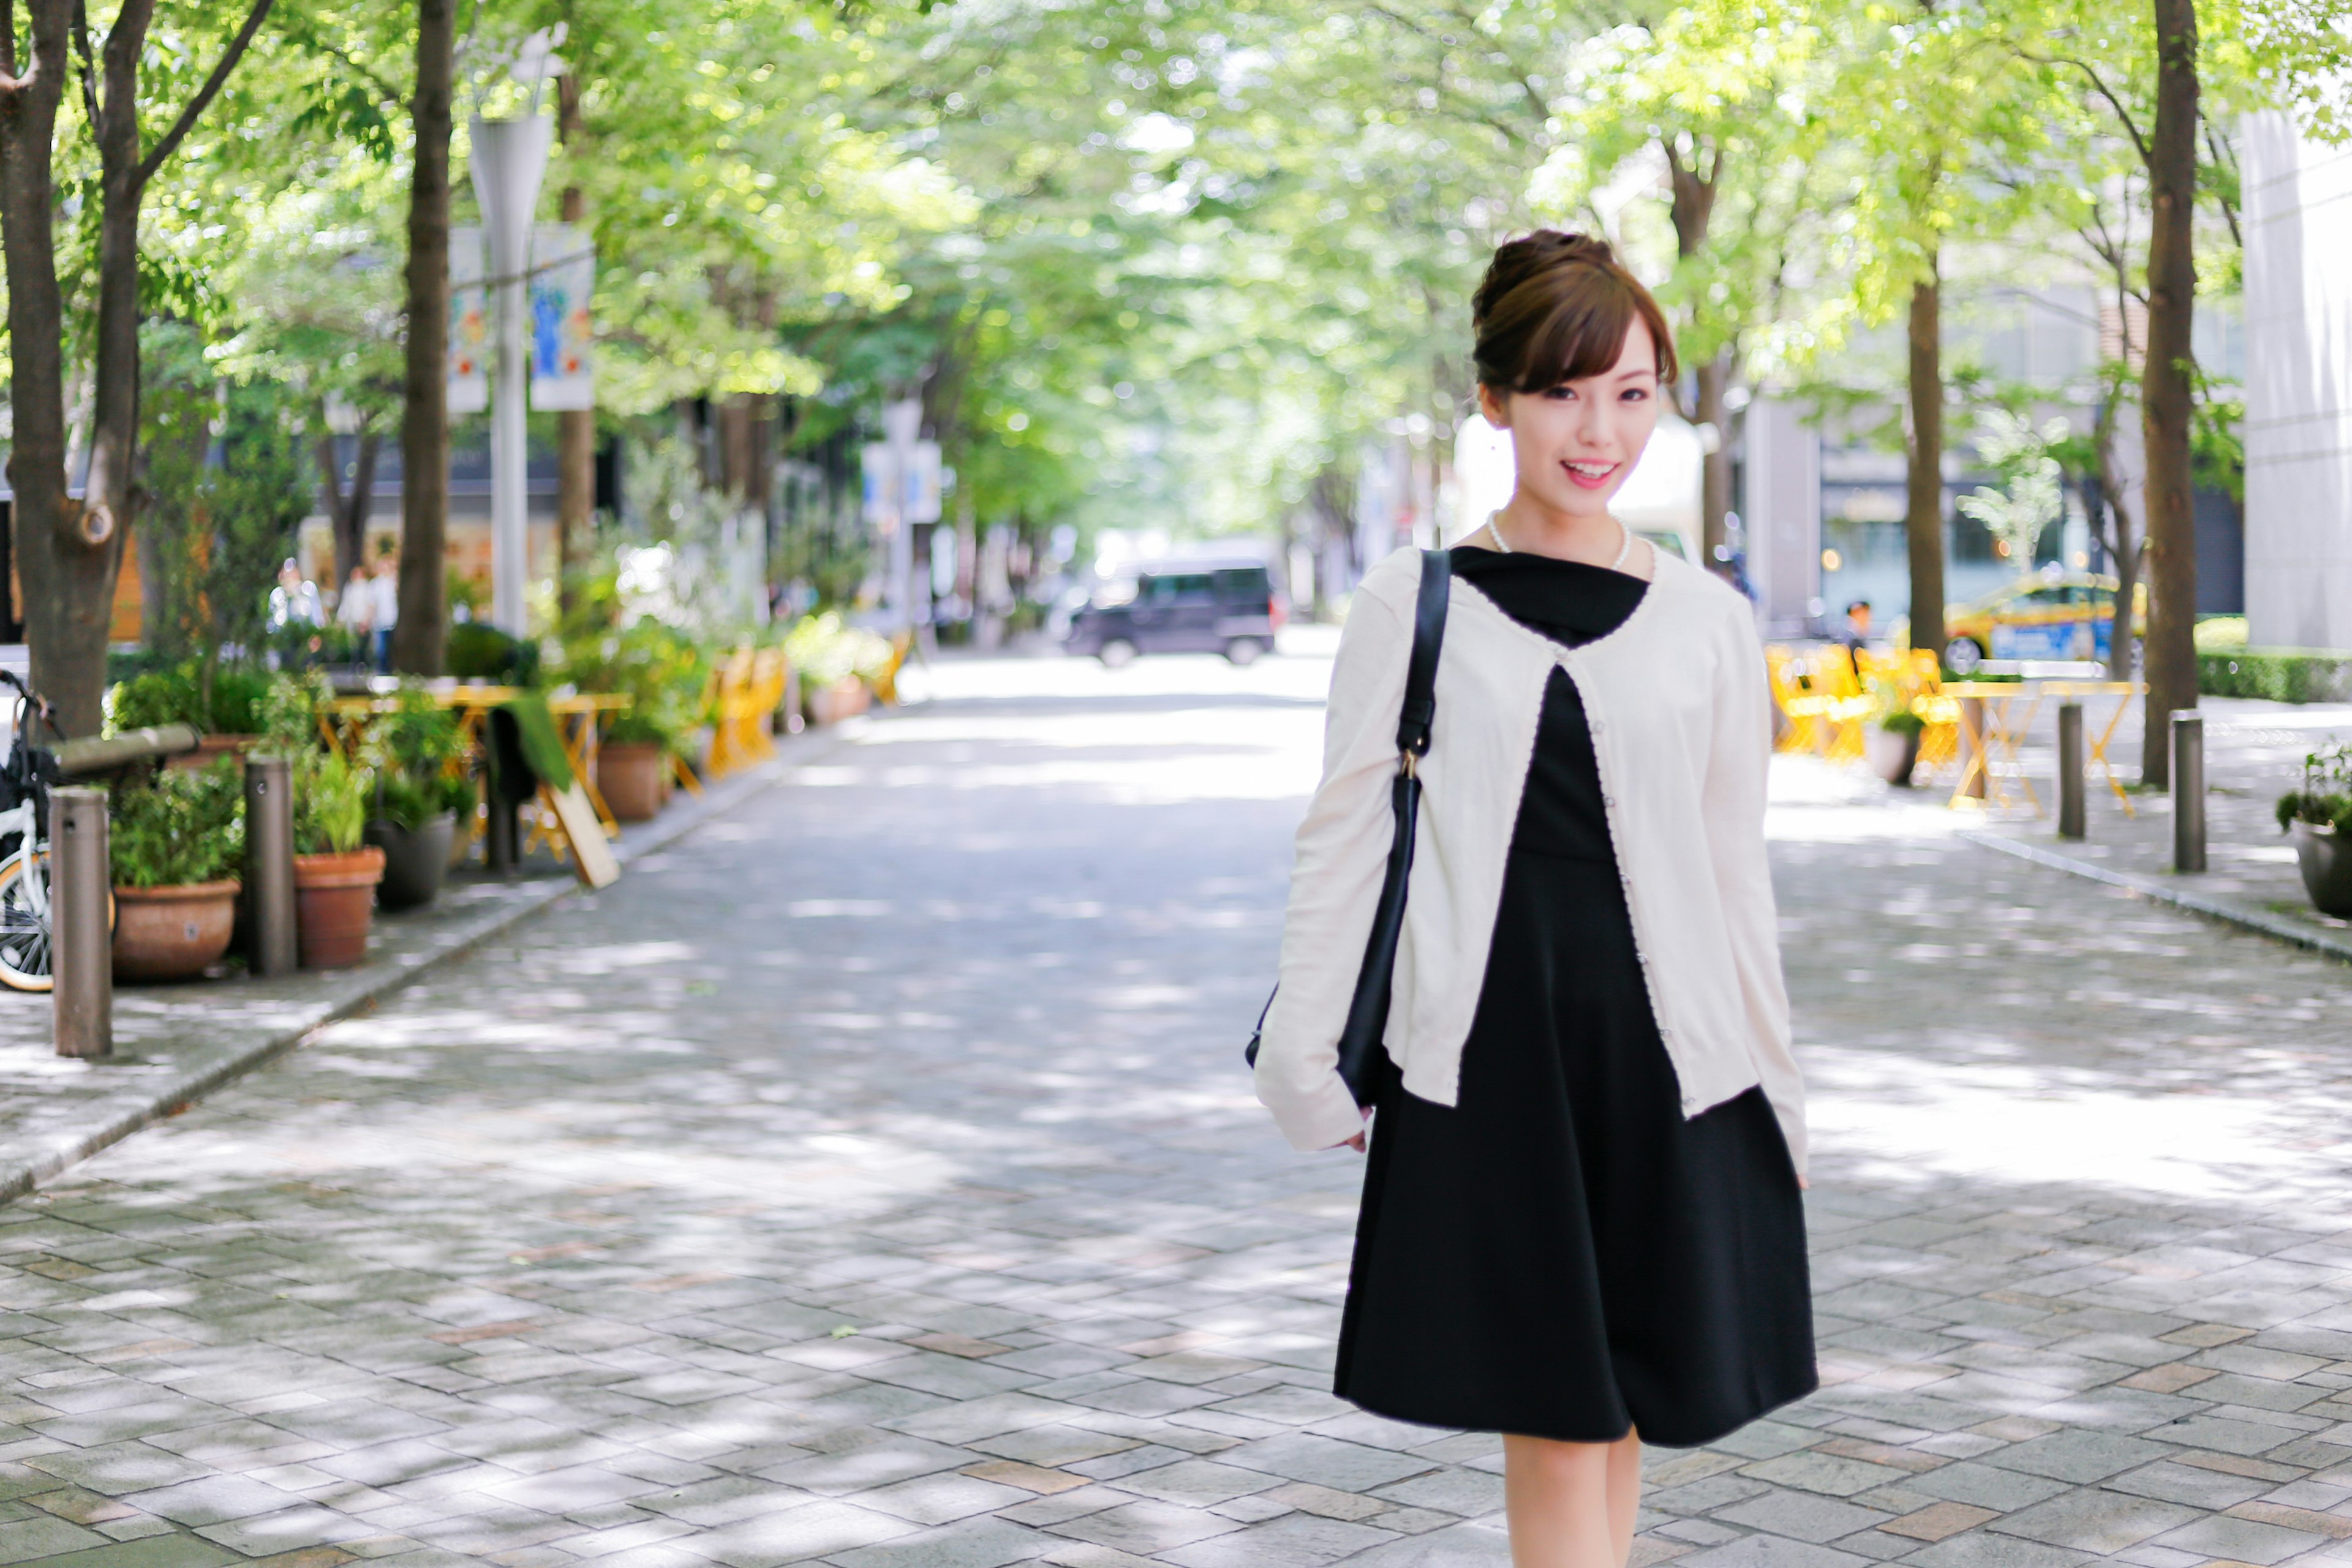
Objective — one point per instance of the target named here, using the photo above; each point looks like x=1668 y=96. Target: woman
x=1580 y=1224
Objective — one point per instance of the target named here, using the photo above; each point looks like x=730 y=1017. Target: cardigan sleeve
x=1335 y=882
x=1733 y=800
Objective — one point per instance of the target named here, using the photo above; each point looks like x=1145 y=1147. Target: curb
x=22 y=1175
x=2276 y=927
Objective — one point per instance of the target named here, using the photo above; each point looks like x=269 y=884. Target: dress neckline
x=1568 y=602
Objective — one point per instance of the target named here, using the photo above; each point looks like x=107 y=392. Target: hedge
x=2280 y=674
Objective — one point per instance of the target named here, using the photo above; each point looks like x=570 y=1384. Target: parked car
x=2069 y=617
x=1189 y=607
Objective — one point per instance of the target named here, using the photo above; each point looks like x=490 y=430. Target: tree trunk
x=575 y=428
x=1923 y=516
x=1714 y=379
x=73 y=553
x=418 y=639
x=46 y=552
x=2167 y=395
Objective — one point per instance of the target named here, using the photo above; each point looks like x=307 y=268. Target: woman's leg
x=1570 y=1504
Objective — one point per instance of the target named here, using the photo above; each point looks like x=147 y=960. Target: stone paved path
x=870 y=1179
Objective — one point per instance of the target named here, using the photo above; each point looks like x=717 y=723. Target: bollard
x=81 y=929
x=2070 y=771
x=2187 y=790
x=270 y=947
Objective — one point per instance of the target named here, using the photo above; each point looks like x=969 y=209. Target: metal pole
x=81 y=933
x=509 y=158
x=2187 y=790
x=269 y=865
x=2070 y=771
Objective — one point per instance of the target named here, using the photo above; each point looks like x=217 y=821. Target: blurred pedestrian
x=355 y=613
x=1582 y=1226
x=1855 y=638
x=295 y=601
x=387 y=613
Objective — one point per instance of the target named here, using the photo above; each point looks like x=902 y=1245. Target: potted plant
x=335 y=872
x=2319 y=816
x=662 y=673
x=175 y=842
x=1891 y=745
x=836 y=662
x=421 y=789
x=223 y=706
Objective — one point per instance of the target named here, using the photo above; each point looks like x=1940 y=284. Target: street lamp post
x=509 y=157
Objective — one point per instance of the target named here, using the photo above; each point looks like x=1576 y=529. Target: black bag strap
x=1419 y=711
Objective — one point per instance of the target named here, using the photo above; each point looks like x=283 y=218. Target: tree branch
x=2213 y=149
x=170 y=141
x=89 y=66
x=10 y=82
x=2099 y=86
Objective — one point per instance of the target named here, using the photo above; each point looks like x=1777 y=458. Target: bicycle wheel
x=24 y=923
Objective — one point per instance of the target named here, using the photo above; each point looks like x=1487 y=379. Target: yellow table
x=2096 y=743
x=1991 y=729
x=345 y=720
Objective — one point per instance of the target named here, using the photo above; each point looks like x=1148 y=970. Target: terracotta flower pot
x=844 y=698
x=334 y=904
x=629 y=775
x=414 y=862
x=171 y=933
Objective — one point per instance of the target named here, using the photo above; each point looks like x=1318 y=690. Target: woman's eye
x=1635 y=394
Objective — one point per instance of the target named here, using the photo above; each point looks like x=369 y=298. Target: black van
x=1189 y=607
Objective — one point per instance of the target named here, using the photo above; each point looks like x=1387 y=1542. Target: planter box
x=2325 y=861
x=334 y=905
x=414 y=862
x=843 y=698
x=173 y=933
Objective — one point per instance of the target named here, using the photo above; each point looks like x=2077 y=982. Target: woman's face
x=1576 y=442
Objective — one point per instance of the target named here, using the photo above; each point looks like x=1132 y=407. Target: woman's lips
x=1590 y=481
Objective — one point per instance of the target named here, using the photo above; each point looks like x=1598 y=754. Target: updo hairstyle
x=1556 y=307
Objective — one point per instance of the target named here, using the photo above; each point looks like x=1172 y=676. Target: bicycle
x=25 y=781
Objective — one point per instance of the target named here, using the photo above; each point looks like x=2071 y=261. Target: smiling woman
x=1580 y=1224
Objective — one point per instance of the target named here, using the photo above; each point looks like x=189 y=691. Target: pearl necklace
x=1624 y=547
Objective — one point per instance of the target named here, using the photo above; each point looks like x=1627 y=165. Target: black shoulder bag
x=1364 y=1060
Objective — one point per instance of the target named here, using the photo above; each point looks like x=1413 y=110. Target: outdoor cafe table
x=1996 y=716
x=345 y=720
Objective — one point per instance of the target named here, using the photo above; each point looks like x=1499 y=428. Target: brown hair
x=1556 y=307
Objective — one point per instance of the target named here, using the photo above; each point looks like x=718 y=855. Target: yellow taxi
x=2050 y=614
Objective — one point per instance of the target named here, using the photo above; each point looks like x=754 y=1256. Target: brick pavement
x=870 y=1179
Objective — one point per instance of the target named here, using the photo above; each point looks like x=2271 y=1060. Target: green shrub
x=479 y=651
x=2221 y=634
x=2277 y=674
x=178 y=828
x=177 y=696
x=2325 y=799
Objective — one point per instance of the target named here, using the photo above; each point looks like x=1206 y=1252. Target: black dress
x=1561 y=1254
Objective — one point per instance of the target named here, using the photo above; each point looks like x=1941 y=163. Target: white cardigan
x=1680 y=714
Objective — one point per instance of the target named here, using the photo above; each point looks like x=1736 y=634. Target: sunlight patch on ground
x=1908 y=1120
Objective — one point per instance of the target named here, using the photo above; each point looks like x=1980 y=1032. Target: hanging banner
x=470 y=324
x=875 y=465
x=563 y=280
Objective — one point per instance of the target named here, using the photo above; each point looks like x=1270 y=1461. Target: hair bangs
x=1581 y=336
